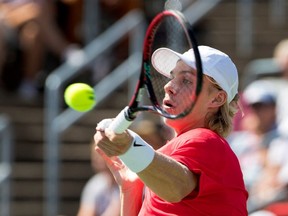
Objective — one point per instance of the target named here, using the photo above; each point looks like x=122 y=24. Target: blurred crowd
x=261 y=139
x=36 y=36
x=32 y=42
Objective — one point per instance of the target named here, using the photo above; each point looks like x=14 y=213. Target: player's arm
x=169 y=179
x=131 y=199
x=131 y=187
x=158 y=172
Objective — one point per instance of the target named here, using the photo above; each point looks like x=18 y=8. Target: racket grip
x=120 y=123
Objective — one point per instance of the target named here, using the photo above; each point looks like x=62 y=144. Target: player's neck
x=189 y=127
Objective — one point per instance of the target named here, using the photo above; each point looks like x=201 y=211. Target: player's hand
x=110 y=143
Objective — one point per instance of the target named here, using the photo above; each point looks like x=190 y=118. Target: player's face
x=179 y=94
x=180 y=90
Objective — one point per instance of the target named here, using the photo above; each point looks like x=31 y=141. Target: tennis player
x=195 y=173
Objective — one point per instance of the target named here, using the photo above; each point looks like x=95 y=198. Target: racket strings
x=173 y=35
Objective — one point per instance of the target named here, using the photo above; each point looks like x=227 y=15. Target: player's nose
x=171 y=87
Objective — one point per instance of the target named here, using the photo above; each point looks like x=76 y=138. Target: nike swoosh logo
x=137 y=145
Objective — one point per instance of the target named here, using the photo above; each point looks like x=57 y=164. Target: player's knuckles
x=118 y=138
x=98 y=137
x=101 y=140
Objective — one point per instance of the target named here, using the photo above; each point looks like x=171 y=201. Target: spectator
x=270 y=182
x=29 y=27
x=100 y=195
x=281 y=58
x=259 y=128
x=270 y=192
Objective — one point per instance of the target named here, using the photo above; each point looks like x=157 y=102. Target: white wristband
x=139 y=155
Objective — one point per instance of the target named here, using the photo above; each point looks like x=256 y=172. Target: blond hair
x=222 y=121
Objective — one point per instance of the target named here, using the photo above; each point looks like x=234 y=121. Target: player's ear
x=219 y=99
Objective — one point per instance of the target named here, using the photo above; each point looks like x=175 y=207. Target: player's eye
x=187 y=81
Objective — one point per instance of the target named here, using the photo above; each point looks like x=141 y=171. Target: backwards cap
x=215 y=64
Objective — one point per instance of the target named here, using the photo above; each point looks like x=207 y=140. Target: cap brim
x=164 y=60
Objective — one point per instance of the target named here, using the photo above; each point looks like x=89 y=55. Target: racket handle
x=120 y=123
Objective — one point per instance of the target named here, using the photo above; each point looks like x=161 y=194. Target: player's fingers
x=123 y=139
x=99 y=136
x=112 y=144
x=102 y=125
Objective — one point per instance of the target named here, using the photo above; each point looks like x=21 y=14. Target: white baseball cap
x=259 y=91
x=215 y=64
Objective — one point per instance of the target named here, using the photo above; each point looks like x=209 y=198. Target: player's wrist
x=140 y=154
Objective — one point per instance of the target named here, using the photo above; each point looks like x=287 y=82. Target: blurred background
x=46 y=45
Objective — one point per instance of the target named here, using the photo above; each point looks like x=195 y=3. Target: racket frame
x=144 y=83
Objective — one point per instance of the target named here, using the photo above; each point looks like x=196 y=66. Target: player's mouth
x=168 y=105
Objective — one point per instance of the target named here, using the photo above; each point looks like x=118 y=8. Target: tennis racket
x=171 y=30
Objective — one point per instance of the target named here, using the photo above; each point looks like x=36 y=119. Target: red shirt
x=221 y=189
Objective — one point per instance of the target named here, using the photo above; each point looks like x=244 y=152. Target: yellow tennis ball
x=80 y=97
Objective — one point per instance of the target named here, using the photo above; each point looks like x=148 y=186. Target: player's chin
x=168 y=109
x=173 y=111
x=171 y=122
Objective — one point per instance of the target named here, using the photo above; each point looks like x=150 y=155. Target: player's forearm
x=169 y=179
x=131 y=201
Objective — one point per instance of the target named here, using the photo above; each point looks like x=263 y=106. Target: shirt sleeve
x=205 y=156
